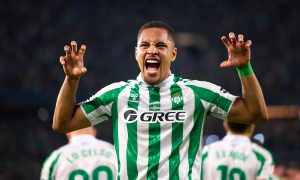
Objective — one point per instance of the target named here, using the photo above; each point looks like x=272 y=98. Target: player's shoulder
x=212 y=146
x=261 y=151
x=104 y=143
x=117 y=86
x=53 y=157
x=114 y=85
x=198 y=83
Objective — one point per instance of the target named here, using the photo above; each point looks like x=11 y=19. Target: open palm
x=238 y=51
x=73 y=61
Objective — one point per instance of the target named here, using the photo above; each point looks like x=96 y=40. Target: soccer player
x=84 y=157
x=236 y=157
x=158 y=117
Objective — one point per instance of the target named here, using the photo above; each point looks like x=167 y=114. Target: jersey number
x=95 y=173
x=231 y=173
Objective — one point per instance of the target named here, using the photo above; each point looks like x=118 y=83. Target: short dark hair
x=158 y=24
x=238 y=127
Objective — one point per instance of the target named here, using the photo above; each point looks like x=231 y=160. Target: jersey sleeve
x=49 y=166
x=216 y=100
x=98 y=107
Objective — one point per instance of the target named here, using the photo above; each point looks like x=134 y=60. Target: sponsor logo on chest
x=132 y=115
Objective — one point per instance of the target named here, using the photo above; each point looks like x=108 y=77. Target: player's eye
x=144 y=45
x=161 y=45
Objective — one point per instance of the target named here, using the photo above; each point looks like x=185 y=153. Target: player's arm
x=251 y=107
x=67 y=115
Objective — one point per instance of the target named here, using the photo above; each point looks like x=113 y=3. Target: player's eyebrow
x=155 y=42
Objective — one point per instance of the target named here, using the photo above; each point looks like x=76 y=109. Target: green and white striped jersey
x=236 y=157
x=85 y=157
x=158 y=129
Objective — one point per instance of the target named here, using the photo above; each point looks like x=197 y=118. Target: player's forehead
x=154 y=35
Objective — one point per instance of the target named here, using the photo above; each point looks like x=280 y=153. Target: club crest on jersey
x=134 y=97
x=177 y=98
x=132 y=115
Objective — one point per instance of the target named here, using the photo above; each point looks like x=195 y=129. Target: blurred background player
x=83 y=157
x=236 y=157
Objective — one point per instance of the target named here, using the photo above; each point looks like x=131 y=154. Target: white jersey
x=236 y=157
x=85 y=157
x=158 y=129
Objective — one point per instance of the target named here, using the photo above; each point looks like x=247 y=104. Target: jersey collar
x=236 y=138
x=166 y=83
x=81 y=138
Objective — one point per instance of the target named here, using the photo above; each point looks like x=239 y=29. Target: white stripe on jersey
x=187 y=127
x=123 y=134
x=215 y=111
x=143 y=137
x=165 y=138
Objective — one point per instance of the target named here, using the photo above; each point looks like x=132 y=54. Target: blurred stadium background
x=33 y=34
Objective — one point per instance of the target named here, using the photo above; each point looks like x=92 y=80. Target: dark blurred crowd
x=33 y=34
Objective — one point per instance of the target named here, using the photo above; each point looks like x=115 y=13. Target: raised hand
x=73 y=61
x=238 y=51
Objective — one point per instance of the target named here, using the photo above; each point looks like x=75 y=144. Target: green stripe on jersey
x=211 y=97
x=195 y=135
x=154 y=135
x=131 y=152
x=177 y=132
x=114 y=118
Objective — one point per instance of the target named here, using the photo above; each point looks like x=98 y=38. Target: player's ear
x=225 y=125
x=69 y=135
x=135 y=52
x=251 y=129
x=94 y=131
x=174 y=54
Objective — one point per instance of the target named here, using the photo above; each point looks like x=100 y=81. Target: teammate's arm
x=67 y=115
x=251 y=107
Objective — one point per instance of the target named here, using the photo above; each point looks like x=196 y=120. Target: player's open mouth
x=152 y=65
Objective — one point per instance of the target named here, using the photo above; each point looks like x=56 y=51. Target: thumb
x=225 y=64
x=83 y=70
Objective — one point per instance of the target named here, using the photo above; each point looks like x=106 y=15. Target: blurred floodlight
x=211 y=138
x=259 y=137
x=43 y=114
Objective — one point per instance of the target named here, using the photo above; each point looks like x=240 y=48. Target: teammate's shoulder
x=261 y=150
x=211 y=146
x=53 y=156
x=106 y=143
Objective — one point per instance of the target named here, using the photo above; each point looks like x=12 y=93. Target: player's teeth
x=152 y=61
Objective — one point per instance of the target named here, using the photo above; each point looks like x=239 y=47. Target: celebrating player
x=236 y=157
x=158 y=117
x=84 y=157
